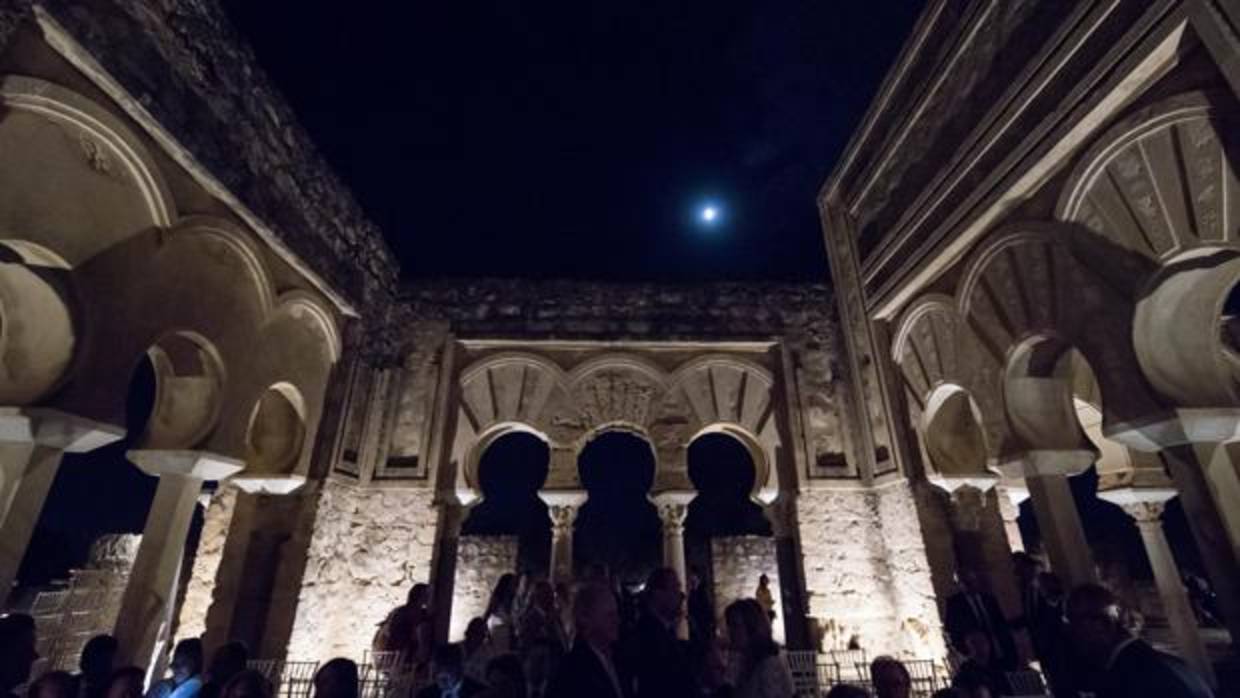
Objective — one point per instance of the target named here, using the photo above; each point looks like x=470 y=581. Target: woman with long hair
x=499 y=615
x=760 y=671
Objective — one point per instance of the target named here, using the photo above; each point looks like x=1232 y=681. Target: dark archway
x=618 y=526
x=723 y=473
x=510 y=472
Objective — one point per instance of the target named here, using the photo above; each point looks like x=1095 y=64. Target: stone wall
x=866 y=571
x=216 y=521
x=480 y=562
x=736 y=564
x=367 y=548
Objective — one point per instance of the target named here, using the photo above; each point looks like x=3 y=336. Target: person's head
x=969 y=580
x=419 y=596
x=539 y=662
x=596 y=616
x=504 y=593
x=17 y=652
x=228 y=661
x=1094 y=621
x=977 y=645
x=764 y=581
x=971 y=682
x=847 y=690
x=336 y=679
x=447 y=666
x=749 y=629
x=247 y=683
x=97 y=657
x=126 y=682
x=187 y=659
x=505 y=676
x=1025 y=566
x=476 y=634
x=663 y=593
x=891 y=678
x=53 y=684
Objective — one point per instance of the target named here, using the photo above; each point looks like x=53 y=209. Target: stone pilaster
x=673 y=507
x=562 y=507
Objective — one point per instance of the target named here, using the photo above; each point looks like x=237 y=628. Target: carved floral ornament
x=527 y=392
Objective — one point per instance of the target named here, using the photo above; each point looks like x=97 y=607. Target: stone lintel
x=276 y=484
x=1178 y=427
x=203 y=465
x=55 y=429
x=1064 y=462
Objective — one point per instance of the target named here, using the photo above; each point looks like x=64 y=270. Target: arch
x=189 y=388
x=1178 y=330
x=616 y=361
x=1039 y=383
x=618 y=467
x=276 y=432
x=107 y=187
x=303 y=306
x=762 y=454
x=236 y=241
x=471 y=458
x=38 y=324
x=952 y=435
x=509 y=388
x=928 y=346
x=725 y=503
x=721 y=388
x=1159 y=181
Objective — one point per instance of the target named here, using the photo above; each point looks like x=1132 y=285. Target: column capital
x=55 y=429
x=673 y=507
x=203 y=465
x=1014 y=490
x=983 y=481
x=1144 y=505
x=1041 y=463
x=562 y=507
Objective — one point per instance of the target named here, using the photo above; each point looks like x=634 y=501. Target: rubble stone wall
x=216 y=522
x=736 y=563
x=367 y=548
x=480 y=562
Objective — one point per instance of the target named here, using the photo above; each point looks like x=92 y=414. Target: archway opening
x=618 y=526
x=952 y=434
x=37 y=337
x=510 y=471
x=276 y=432
x=722 y=470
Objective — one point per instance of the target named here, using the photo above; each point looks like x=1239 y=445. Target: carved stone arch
x=762 y=448
x=727 y=389
x=107 y=187
x=237 y=242
x=511 y=387
x=616 y=389
x=1159 y=181
x=39 y=322
x=302 y=306
x=1027 y=282
x=468 y=451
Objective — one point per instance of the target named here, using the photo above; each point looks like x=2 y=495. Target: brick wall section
x=368 y=547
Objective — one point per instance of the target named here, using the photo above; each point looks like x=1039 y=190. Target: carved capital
x=1145 y=513
x=673 y=507
x=562 y=508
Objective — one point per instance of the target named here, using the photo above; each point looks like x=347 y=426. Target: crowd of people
x=539 y=640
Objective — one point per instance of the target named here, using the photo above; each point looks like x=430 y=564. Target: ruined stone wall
x=216 y=522
x=367 y=548
x=736 y=563
x=480 y=562
x=866 y=571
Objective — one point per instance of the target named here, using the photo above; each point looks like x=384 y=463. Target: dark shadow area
x=511 y=471
x=723 y=473
x=95 y=493
x=618 y=526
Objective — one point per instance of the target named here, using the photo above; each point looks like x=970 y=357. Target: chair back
x=297 y=678
x=803 y=666
x=849 y=661
x=926 y=675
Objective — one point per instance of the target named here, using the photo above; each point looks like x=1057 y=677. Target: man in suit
x=448 y=672
x=973 y=607
x=660 y=659
x=1129 y=666
x=591 y=669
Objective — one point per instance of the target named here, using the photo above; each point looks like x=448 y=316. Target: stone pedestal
x=562 y=507
x=146 y=606
x=32 y=442
x=673 y=507
x=1146 y=508
x=1046 y=475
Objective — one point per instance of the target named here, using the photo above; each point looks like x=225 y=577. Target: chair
x=925 y=674
x=803 y=666
x=828 y=674
x=1026 y=682
x=297 y=678
x=386 y=661
x=851 y=660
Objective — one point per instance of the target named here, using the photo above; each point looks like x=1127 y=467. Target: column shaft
x=1174 y=598
x=28 y=473
x=1060 y=525
x=152 y=583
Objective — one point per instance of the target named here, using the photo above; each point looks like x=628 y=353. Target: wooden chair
x=926 y=676
x=828 y=674
x=297 y=679
x=851 y=660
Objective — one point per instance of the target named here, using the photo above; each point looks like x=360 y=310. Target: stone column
x=1046 y=474
x=979 y=543
x=673 y=507
x=1011 y=494
x=562 y=507
x=1146 y=508
x=32 y=442
x=152 y=582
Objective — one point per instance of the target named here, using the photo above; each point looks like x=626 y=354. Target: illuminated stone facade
x=1030 y=253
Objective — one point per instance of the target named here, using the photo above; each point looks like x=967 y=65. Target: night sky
x=565 y=139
